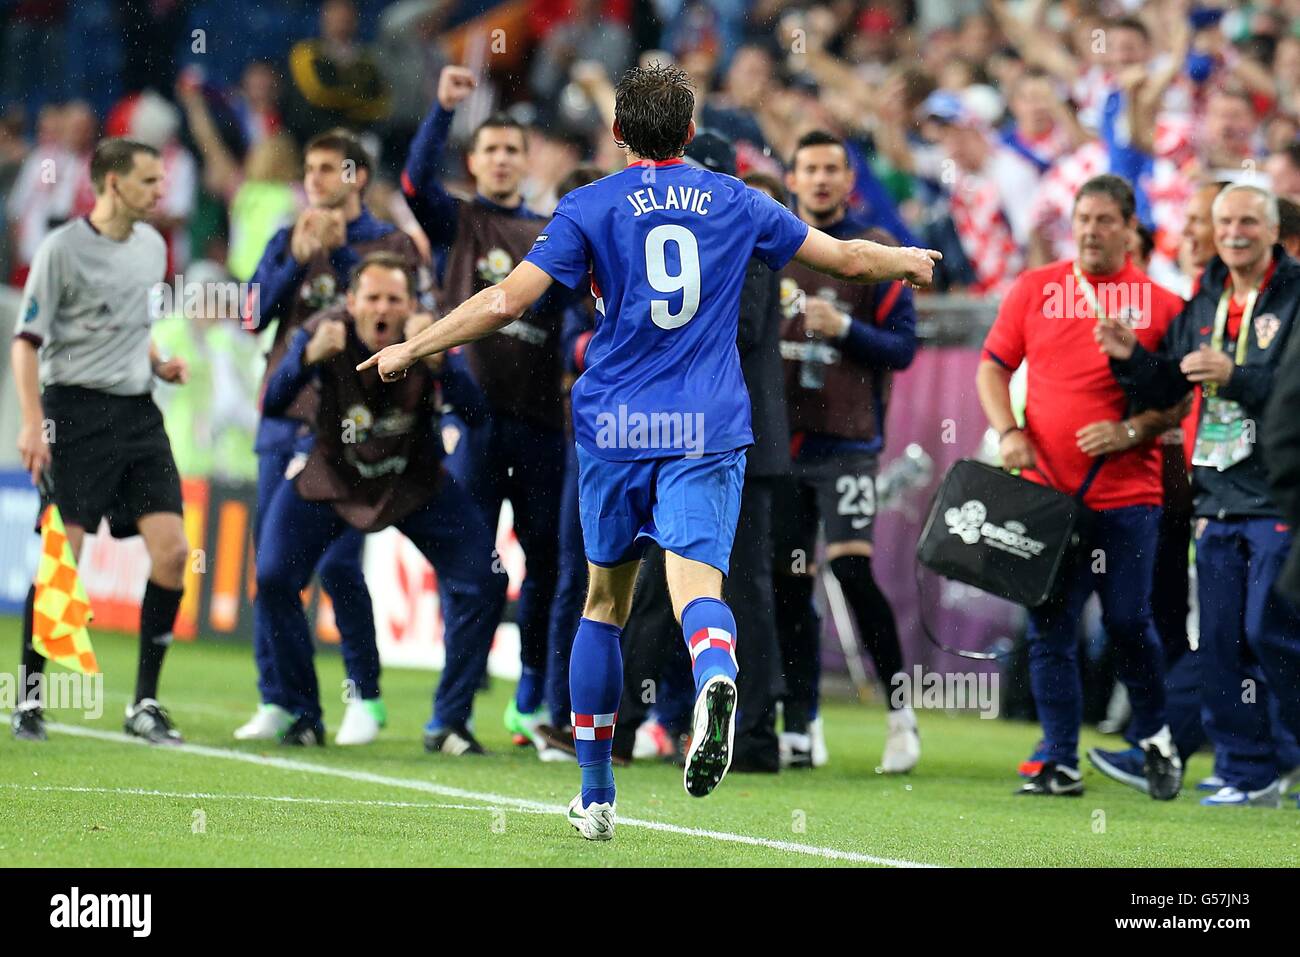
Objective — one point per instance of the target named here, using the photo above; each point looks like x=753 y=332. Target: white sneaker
x=818 y=735
x=902 y=743
x=795 y=750
x=651 y=742
x=594 y=822
x=269 y=723
x=359 y=725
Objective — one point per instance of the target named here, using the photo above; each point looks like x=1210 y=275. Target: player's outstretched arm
x=478 y=316
x=861 y=260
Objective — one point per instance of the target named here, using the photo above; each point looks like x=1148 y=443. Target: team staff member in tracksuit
x=303 y=270
x=84 y=367
x=1075 y=413
x=841 y=342
x=375 y=462
x=1229 y=340
x=518 y=453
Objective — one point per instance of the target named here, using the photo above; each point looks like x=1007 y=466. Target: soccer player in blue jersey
x=661 y=414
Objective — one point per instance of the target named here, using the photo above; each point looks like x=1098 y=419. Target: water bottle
x=812 y=371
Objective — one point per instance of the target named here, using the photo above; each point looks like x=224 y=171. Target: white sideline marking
x=272 y=798
x=488 y=798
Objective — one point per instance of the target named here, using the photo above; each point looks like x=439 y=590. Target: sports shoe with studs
x=146 y=719
x=595 y=822
x=712 y=735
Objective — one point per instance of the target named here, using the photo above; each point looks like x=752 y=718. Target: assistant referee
x=84 y=366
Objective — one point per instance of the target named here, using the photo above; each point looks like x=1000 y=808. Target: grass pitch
x=88 y=797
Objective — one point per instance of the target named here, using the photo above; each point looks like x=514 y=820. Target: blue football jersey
x=665 y=247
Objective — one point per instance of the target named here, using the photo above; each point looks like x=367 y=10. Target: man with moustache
x=1229 y=341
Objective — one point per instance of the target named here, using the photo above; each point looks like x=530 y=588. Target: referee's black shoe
x=28 y=724
x=146 y=719
x=304 y=733
x=1055 y=780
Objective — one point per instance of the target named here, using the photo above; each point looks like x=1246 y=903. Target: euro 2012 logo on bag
x=495 y=266
x=966 y=522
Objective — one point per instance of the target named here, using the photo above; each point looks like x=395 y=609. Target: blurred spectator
x=13 y=150
x=212 y=419
x=553 y=154
x=584 y=36
x=983 y=183
x=54 y=183
x=262 y=192
x=411 y=57
x=334 y=80
x=1283 y=169
x=256 y=103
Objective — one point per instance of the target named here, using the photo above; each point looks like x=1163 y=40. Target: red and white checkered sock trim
x=593 y=727
x=707 y=638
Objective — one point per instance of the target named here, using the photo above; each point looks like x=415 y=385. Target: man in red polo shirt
x=1075 y=414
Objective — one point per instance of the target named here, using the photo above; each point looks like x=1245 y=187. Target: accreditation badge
x=1222 y=440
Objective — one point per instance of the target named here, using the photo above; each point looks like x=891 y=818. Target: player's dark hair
x=582 y=175
x=344 y=142
x=384 y=259
x=818 y=138
x=768 y=184
x=653 y=107
x=1288 y=219
x=1114 y=187
x=116 y=155
x=499 y=121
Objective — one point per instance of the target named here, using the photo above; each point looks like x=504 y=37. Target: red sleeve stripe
x=407 y=186
x=887 y=302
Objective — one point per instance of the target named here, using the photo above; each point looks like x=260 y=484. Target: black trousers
x=652 y=640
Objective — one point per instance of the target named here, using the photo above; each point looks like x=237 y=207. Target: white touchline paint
x=487 y=798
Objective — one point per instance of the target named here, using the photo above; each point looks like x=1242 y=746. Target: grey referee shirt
x=86 y=307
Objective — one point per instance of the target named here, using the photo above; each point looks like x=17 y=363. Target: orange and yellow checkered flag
x=62 y=610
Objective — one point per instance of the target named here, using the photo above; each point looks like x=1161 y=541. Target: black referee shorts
x=110 y=457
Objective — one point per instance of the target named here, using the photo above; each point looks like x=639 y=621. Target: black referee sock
x=875 y=617
x=33 y=661
x=157 y=618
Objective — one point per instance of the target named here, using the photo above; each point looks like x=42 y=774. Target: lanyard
x=1221 y=322
x=1088 y=292
x=1209 y=389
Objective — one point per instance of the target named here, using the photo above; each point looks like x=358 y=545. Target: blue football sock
x=710 y=631
x=528 y=696
x=595 y=686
